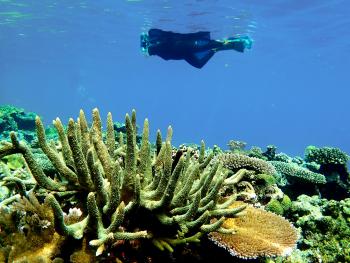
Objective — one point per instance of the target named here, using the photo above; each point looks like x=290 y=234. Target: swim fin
x=239 y=43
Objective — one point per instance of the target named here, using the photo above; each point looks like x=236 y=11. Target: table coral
x=292 y=171
x=234 y=162
x=258 y=233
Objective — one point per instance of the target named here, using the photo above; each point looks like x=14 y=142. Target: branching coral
x=127 y=192
x=258 y=233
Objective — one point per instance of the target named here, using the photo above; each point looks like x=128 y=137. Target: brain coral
x=257 y=233
x=235 y=162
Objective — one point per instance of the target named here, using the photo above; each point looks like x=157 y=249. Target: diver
x=196 y=48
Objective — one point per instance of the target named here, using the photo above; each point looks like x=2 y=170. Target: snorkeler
x=196 y=48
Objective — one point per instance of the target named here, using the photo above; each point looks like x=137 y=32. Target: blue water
x=291 y=90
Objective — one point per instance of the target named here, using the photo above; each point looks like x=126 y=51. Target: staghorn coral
x=234 y=162
x=258 y=233
x=126 y=192
x=296 y=172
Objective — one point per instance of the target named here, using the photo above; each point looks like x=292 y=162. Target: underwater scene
x=151 y=131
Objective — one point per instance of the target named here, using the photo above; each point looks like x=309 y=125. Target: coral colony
x=82 y=194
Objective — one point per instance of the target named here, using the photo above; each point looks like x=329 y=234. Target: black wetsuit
x=196 y=48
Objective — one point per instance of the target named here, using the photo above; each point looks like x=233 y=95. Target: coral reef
x=332 y=163
x=15 y=119
x=125 y=191
x=82 y=194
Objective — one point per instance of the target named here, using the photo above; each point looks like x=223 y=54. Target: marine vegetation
x=109 y=194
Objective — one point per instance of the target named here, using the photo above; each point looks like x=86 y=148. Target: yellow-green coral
x=266 y=178
x=279 y=207
x=286 y=203
x=14 y=161
x=274 y=206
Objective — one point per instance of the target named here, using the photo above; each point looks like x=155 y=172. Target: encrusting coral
x=126 y=192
